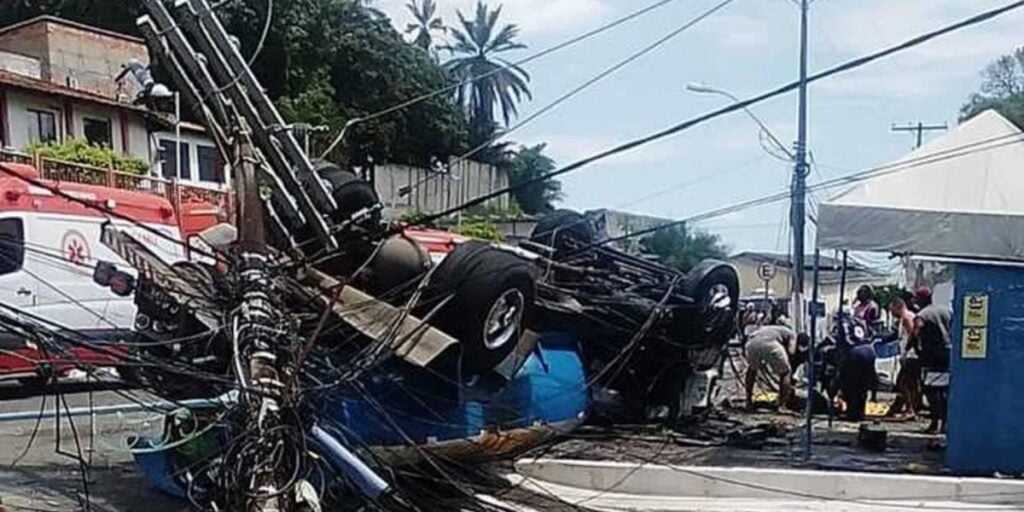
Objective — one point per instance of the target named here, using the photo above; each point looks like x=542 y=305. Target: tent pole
x=842 y=282
x=842 y=295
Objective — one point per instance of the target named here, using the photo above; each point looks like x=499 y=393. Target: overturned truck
x=314 y=327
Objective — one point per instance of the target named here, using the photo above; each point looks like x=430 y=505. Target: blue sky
x=747 y=48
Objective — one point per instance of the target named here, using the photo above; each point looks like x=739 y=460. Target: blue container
x=986 y=408
x=550 y=388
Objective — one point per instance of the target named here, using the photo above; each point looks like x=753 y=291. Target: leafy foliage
x=81 y=152
x=116 y=15
x=426 y=23
x=325 y=62
x=413 y=217
x=479 y=229
x=529 y=163
x=683 y=249
x=331 y=61
x=474 y=50
x=1002 y=89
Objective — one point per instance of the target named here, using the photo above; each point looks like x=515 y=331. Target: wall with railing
x=175 y=192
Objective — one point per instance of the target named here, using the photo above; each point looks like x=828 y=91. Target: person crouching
x=770 y=348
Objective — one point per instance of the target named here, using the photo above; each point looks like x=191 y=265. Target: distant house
x=616 y=224
x=58 y=81
x=829 y=269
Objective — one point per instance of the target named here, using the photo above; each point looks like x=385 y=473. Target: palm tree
x=426 y=24
x=500 y=82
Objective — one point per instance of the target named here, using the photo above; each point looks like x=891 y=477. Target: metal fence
x=73 y=172
x=405 y=189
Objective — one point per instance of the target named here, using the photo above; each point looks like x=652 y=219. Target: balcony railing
x=174 y=191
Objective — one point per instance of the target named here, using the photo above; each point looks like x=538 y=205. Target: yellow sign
x=975 y=310
x=975 y=343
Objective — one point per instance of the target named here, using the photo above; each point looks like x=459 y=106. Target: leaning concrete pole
x=255 y=323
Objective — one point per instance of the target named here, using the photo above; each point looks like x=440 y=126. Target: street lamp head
x=149 y=88
x=701 y=88
x=160 y=91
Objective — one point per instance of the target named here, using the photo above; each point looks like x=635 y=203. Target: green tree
x=528 y=163
x=115 y=15
x=683 y=249
x=324 y=62
x=80 y=151
x=475 y=48
x=1002 y=89
x=481 y=230
x=426 y=23
x=351 y=54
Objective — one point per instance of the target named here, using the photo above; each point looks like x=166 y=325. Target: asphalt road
x=48 y=476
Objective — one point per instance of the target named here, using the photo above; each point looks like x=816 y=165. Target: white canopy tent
x=961 y=195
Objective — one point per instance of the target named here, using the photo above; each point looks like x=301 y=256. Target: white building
x=58 y=81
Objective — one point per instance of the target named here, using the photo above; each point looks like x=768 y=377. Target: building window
x=42 y=126
x=97 y=131
x=170 y=162
x=210 y=168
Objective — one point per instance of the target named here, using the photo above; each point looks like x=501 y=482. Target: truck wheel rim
x=717 y=307
x=503 y=319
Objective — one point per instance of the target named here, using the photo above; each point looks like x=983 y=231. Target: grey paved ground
x=46 y=480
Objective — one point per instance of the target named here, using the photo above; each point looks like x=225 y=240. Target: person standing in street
x=866 y=310
x=908 y=380
x=771 y=348
x=931 y=328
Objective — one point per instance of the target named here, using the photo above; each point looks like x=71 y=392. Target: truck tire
x=350 y=193
x=714 y=286
x=492 y=292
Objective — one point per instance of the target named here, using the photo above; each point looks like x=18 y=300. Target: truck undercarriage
x=312 y=318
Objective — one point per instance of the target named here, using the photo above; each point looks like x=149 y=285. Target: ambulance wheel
x=492 y=291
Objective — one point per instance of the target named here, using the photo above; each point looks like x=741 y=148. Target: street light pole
x=798 y=209
x=707 y=89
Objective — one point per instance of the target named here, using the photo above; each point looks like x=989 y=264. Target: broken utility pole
x=261 y=347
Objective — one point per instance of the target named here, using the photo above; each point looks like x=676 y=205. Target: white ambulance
x=49 y=248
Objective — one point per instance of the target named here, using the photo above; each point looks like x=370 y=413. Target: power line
x=255 y=54
x=95 y=205
x=447 y=89
x=600 y=76
x=567 y=96
x=849 y=65
x=960 y=151
x=685 y=184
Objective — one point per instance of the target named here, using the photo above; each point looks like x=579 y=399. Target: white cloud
x=923 y=71
x=568 y=148
x=870 y=25
x=534 y=17
x=738 y=32
x=728 y=137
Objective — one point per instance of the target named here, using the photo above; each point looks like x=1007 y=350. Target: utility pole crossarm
x=919 y=128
